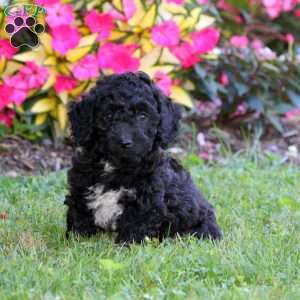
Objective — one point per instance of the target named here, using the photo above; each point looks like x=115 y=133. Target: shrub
x=257 y=70
x=272 y=22
x=245 y=82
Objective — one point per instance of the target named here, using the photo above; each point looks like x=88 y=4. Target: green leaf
x=274 y=121
x=282 y=108
x=243 y=4
x=255 y=103
x=200 y=71
x=271 y=67
x=3 y=130
x=241 y=88
x=295 y=98
x=180 y=96
x=44 y=105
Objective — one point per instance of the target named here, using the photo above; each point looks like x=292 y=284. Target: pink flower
x=60 y=14
x=205 y=155
x=118 y=58
x=64 y=38
x=275 y=7
x=239 y=41
x=64 y=83
x=6 y=117
x=288 y=5
x=86 y=68
x=6 y=50
x=203 y=2
x=293 y=114
x=222 y=4
x=101 y=23
x=34 y=75
x=265 y=53
x=29 y=77
x=240 y=110
x=205 y=40
x=117 y=15
x=129 y=10
x=186 y=54
x=297 y=13
x=201 y=139
x=19 y=88
x=166 y=34
x=224 y=80
x=163 y=81
x=257 y=44
x=290 y=38
x=46 y=2
x=233 y=11
x=5 y=95
x=178 y=2
x=238 y=19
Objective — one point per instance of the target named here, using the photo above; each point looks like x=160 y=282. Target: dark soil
x=22 y=157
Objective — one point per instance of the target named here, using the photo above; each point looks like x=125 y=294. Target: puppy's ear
x=81 y=116
x=170 y=115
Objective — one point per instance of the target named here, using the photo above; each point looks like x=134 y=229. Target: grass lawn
x=258 y=208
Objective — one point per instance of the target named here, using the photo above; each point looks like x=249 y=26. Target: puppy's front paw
x=215 y=232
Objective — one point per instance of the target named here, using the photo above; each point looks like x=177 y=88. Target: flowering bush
x=248 y=84
x=256 y=75
x=274 y=22
x=253 y=69
x=85 y=39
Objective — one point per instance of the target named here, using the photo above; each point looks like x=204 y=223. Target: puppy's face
x=124 y=118
x=128 y=126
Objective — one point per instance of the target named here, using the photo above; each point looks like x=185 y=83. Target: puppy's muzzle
x=126 y=143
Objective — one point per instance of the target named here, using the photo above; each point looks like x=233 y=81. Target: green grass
x=258 y=207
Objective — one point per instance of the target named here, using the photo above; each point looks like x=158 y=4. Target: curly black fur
x=120 y=172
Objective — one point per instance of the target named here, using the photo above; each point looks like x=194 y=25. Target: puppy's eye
x=142 y=116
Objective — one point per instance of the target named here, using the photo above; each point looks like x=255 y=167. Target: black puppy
x=121 y=179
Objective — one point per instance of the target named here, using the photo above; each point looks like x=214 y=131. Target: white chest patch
x=108 y=168
x=105 y=206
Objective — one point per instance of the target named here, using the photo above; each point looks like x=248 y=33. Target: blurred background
x=233 y=65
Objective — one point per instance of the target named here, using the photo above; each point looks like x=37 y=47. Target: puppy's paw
x=215 y=232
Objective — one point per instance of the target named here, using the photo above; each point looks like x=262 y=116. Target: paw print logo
x=24 y=31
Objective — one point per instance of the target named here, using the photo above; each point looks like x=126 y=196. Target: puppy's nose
x=126 y=143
